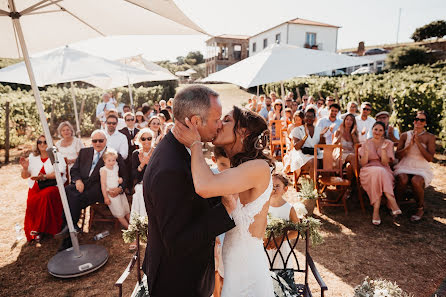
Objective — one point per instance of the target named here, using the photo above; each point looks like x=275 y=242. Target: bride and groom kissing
x=188 y=206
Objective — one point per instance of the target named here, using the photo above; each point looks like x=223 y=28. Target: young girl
x=279 y=208
x=119 y=206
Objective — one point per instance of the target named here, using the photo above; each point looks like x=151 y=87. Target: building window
x=265 y=43
x=278 y=38
x=223 y=53
x=237 y=51
x=310 y=39
x=254 y=47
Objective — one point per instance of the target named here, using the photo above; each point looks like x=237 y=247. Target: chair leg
x=319 y=208
x=361 y=201
x=90 y=221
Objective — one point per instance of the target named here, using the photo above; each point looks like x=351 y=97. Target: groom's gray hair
x=193 y=100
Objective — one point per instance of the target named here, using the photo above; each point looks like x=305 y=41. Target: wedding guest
x=156 y=110
x=279 y=208
x=69 y=145
x=121 y=123
x=298 y=120
x=391 y=132
x=288 y=117
x=376 y=176
x=170 y=102
x=264 y=112
x=168 y=127
x=155 y=125
x=140 y=121
x=43 y=207
x=163 y=121
x=415 y=150
x=85 y=187
x=103 y=106
x=115 y=139
x=303 y=105
x=147 y=111
x=276 y=113
x=364 y=121
x=261 y=103
x=169 y=119
x=253 y=105
x=163 y=104
x=288 y=102
x=273 y=96
x=126 y=108
x=304 y=139
x=110 y=179
x=347 y=136
x=294 y=106
x=130 y=132
x=320 y=103
x=332 y=122
x=352 y=108
x=326 y=110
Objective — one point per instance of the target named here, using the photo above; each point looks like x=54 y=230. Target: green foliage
x=279 y=227
x=307 y=189
x=401 y=57
x=5 y=62
x=379 y=288
x=197 y=56
x=400 y=92
x=137 y=225
x=434 y=29
x=194 y=60
x=58 y=104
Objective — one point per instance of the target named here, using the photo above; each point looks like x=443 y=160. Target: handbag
x=46 y=183
x=308 y=150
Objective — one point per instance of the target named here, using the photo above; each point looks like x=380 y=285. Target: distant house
x=298 y=32
x=225 y=50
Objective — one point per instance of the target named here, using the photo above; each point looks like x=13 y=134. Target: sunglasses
x=146 y=138
x=97 y=140
x=40 y=142
x=129 y=119
x=365 y=108
x=112 y=123
x=330 y=100
x=416 y=120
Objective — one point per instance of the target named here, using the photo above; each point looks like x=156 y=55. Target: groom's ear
x=196 y=120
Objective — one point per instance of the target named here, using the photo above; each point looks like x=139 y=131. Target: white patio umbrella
x=280 y=62
x=51 y=23
x=68 y=65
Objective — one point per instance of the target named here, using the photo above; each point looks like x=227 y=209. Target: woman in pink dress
x=376 y=176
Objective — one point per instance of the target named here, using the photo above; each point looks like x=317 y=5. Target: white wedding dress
x=245 y=262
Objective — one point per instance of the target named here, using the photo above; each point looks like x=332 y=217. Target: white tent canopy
x=280 y=62
x=65 y=21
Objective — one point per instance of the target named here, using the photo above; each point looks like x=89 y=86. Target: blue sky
x=374 y=22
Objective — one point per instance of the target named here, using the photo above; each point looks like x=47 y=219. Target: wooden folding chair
x=330 y=175
x=100 y=212
x=276 y=137
x=358 y=181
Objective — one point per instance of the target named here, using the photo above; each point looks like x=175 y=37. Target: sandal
x=416 y=217
x=376 y=222
x=396 y=212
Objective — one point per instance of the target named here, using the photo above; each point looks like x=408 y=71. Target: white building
x=298 y=32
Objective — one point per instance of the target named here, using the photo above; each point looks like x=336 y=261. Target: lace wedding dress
x=246 y=265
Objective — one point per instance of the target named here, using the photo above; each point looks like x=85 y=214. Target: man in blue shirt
x=332 y=122
x=266 y=109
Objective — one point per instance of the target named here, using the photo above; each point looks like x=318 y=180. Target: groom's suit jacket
x=179 y=258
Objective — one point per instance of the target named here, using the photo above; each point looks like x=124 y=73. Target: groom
x=179 y=258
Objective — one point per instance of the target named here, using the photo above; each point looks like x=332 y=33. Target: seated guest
x=85 y=188
x=261 y=103
x=304 y=139
x=168 y=127
x=415 y=150
x=155 y=125
x=130 y=132
x=163 y=104
x=140 y=158
x=68 y=146
x=303 y=105
x=121 y=122
x=352 y=108
x=103 y=106
x=253 y=104
x=288 y=117
x=170 y=102
x=376 y=176
x=163 y=121
x=294 y=106
x=391 y=132
x=169 y=117
x=43 y=206
x=332 y=122
x=288 y=101
x=115 y=139
x=325 y=112
x=347 y=136
x=276 y=113
x=156 y=110
x=320 y=103
x=264 y=112
x=140 y=121
x=298 y=120
x=364 y=121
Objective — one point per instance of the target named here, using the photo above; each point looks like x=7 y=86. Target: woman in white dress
x=304 y=139
x=243 y=138
x=69 y=145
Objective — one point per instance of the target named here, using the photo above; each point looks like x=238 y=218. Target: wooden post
x=7 y=144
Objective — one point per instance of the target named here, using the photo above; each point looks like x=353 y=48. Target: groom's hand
x=229 y=202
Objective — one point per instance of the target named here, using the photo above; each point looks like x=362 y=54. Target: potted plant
x=308 y=194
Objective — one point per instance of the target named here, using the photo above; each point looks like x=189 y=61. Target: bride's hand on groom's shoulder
x=186 y=134
x=229 y=202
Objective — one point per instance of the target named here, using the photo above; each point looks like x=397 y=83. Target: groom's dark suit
x=179 y=258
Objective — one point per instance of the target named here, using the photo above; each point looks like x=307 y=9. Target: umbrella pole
x=257 y=91
x=78 y=132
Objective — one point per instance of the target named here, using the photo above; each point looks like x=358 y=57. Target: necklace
x=424 y=131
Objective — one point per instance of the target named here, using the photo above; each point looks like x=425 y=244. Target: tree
x=197 y=56
x=401 y=57
x=434 y=29
x=180 y=60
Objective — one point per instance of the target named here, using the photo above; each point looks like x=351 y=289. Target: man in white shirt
x=364 y=122
x=332 y=122
x=102 y=107
x=391 y=132
x=115 y=139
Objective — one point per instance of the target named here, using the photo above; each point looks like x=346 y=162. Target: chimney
x=361 y=48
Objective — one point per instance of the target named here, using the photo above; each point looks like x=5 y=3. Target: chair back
x=357 y=163
x=275 y=129
x=330 y=164
x=284 y=259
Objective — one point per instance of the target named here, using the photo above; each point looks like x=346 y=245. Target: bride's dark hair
x=256 y=136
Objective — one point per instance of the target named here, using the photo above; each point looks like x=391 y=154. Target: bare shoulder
x=257 y=165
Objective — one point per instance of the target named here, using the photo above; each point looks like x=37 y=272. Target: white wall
x=326 y=37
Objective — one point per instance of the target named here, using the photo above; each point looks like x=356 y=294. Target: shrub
x=434 y=29
x=401 y=57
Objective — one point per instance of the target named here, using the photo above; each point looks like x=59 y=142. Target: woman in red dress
x=43 y=206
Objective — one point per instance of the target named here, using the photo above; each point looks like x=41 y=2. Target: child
x=119 y=206
x=222 y=162
x=279 y=208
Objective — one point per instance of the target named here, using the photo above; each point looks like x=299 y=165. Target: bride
x=242 y=136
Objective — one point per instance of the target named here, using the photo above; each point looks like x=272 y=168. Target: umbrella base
x=66 y=265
